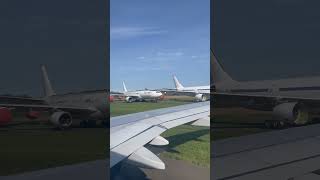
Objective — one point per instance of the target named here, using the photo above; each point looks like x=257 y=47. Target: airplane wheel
x=83 y=124
x=268 y=124
x=204 y=98
x=92 y=123
x=274 y=124
x=105 y=124
x=88 y=123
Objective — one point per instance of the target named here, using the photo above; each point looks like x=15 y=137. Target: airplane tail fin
x=219 y=75
x=177 y=83
x=48 y=91
x=124 y=87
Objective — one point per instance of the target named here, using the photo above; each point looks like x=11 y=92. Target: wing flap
x=202 y=122
x=145 y=158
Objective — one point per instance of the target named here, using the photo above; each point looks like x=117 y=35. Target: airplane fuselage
x=95 y=100
x=308 y=87
x=195 y=89
x=143 y=95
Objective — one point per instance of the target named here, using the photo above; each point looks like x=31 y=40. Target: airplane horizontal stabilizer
x=146 y=159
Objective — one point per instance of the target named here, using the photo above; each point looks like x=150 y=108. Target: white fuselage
x=308 y=87
x=143 y=94
x=95 y=100
x=195 y=89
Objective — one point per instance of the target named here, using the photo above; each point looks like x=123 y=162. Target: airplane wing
x=129 y=133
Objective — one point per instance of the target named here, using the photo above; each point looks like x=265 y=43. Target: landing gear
x=88 y=123
x=275 y=124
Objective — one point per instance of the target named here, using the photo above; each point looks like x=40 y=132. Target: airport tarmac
x=96 y=170
x=285 y=154
x=175 y=169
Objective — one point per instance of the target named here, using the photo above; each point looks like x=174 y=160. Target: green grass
x=122 y=108
x=188 y=143
x=36 y=147
x=235 y=122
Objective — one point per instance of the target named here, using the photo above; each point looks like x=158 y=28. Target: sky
x=267 y=39
x=69 y=37
x=150 y=41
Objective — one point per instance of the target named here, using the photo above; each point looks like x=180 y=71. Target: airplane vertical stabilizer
x=219 y=75
x=124 y=87
x=48 y=91
x=177 y=83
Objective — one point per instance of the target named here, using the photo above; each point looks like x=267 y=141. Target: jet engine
x=292 y=112
x=5 y=116
x=61 y=119
x=200 y=97
x=129 y=99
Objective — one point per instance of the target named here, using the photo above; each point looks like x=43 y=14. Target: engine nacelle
x=200 y=97
x=129 y=99
x=292 y=112
x=5 y=116
x=61 y=119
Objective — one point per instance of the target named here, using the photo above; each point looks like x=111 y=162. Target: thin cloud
x=141 y=58
x=132 y=32
x=161 y=57
x=168 y=54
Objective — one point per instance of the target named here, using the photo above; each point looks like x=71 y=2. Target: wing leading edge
x=130 y=133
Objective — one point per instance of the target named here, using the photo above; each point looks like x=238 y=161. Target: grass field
x=189 y=143
x=121 y=108
x=34 y=147
x=234 y=122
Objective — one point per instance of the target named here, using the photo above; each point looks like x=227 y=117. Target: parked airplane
x=130 y=133
x=292 y=101
x=201 y=92
x=141 y=95
x=87 y=106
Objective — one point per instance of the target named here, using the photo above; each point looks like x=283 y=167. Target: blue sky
x=153 y=40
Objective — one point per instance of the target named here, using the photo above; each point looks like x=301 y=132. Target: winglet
x=146 y=159
x=177 y=83
x=124 y=87
x=48 y=90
